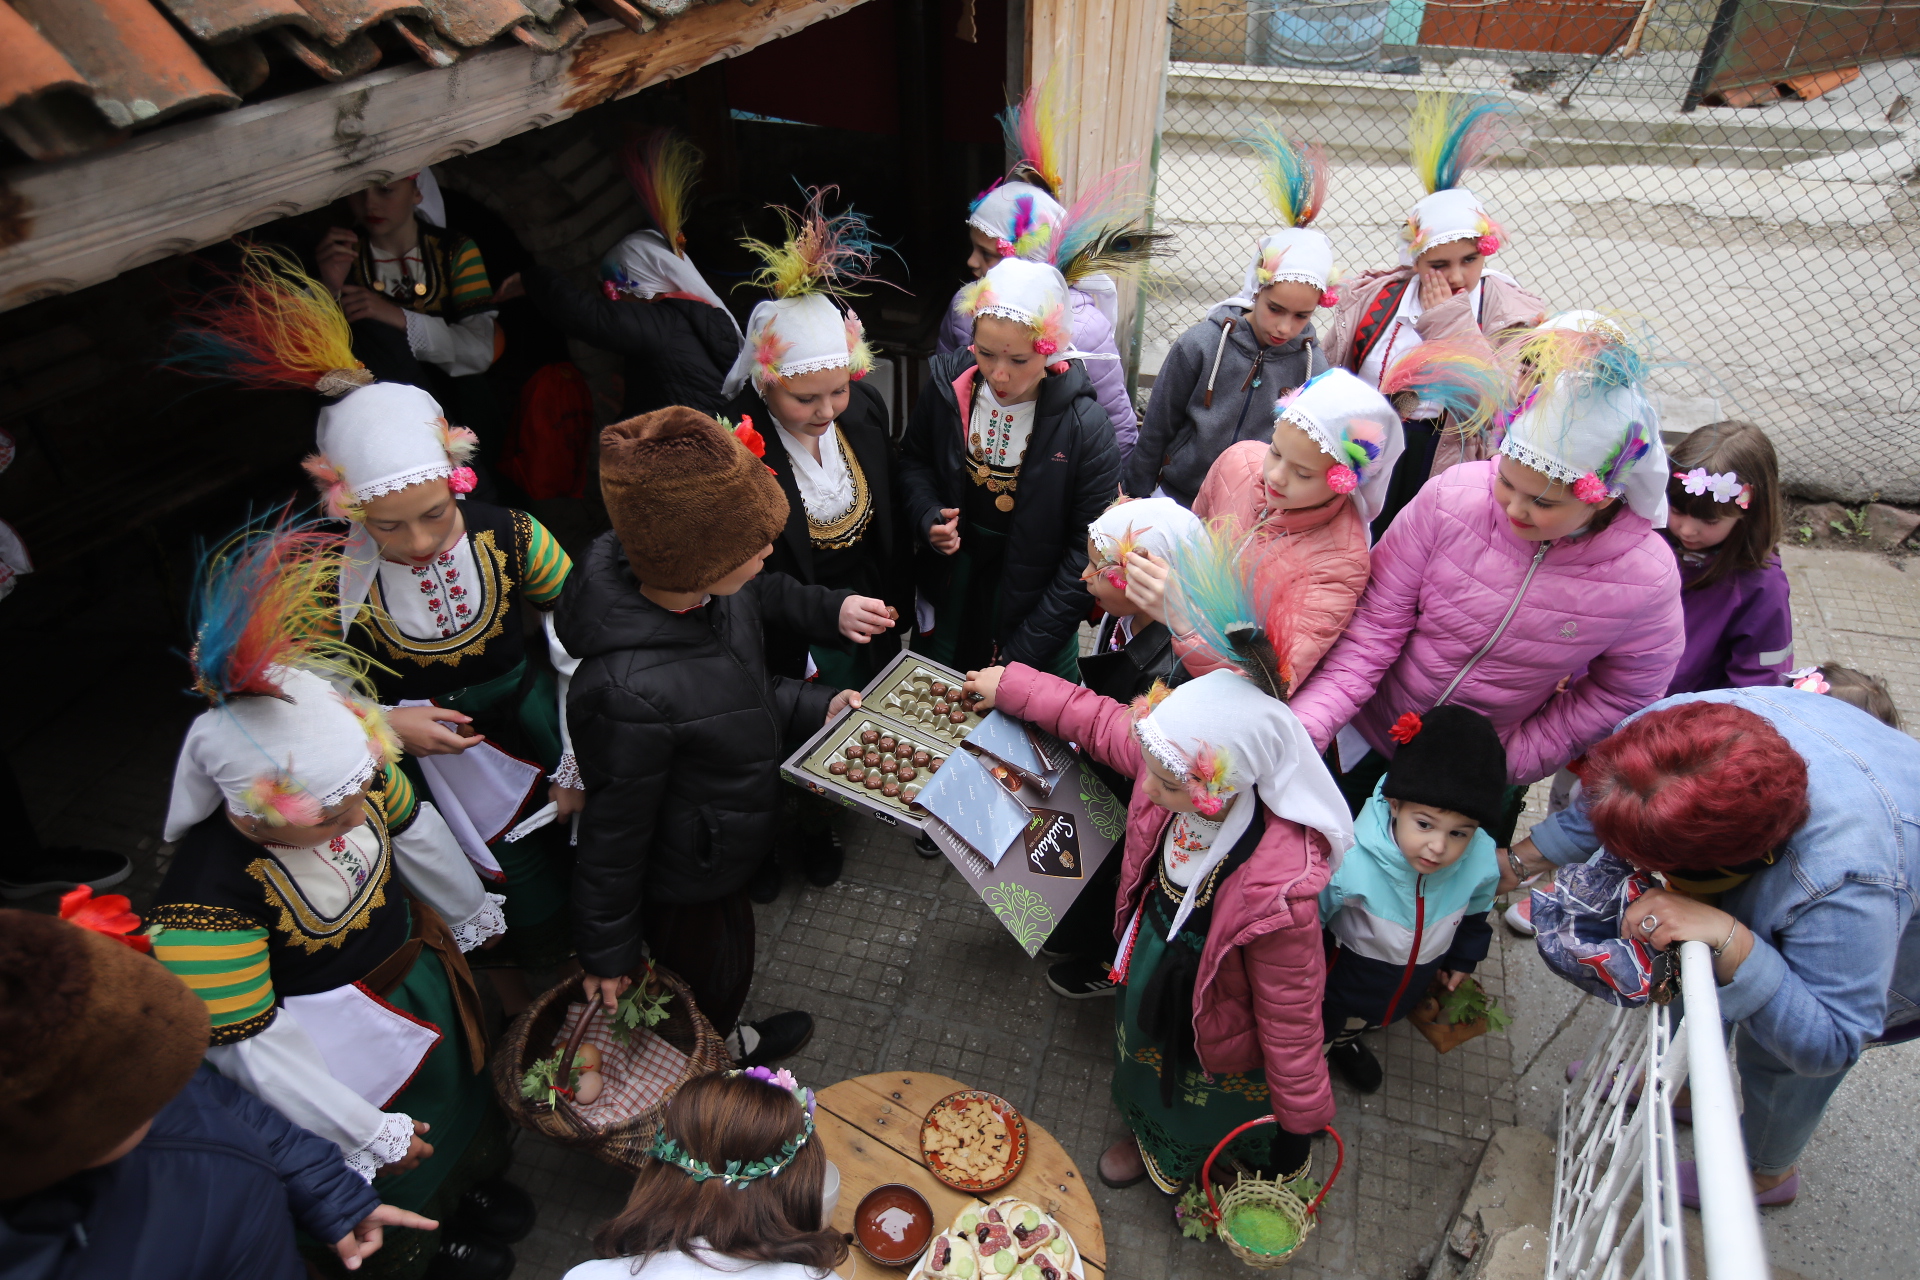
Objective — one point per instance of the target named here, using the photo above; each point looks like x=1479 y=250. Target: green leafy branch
x=644 y=1004
x=543 y=1077
x=1468 y=1003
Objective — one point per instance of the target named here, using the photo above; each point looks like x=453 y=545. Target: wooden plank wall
x=1113 y=54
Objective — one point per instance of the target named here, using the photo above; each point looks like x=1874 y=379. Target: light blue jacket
x=1836 y=953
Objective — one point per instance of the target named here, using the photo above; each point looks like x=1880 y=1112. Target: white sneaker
x=1519 y=917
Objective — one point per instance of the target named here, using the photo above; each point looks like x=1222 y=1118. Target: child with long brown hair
x=734 y=1188
x=1723 y=522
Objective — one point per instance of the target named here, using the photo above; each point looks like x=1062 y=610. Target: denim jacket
x=1836 y=952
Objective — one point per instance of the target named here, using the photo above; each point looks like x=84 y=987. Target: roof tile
x=476 y=22
x=339 y=19
x=138 y=67
x=218 y=21
x=29 y=66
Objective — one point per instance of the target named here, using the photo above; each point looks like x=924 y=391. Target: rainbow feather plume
x=1454 y=375
x=1632 y=447
x=1451 y=134
x=1035 y=129
x=1601 y=356
x=267 y=325
x=1295 y=176
x=1234 y=603
x=1106 y=230
x=264 y=599
x=663 y=166
x=1142 y=706
x=822 y=252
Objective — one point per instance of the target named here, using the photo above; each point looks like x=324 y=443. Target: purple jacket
x=1739 y=630
x=1601 y=612
x=1091 y=332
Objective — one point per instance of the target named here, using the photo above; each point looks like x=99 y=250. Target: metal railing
x=1616 y=1197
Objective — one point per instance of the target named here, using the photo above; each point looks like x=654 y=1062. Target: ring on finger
x=1649 y=922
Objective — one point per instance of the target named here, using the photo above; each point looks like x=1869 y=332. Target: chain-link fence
x=1740 y=174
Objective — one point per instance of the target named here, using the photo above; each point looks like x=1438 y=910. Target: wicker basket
x=1247 y=1192
x=625 y=1142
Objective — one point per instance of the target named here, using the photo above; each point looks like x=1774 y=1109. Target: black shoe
x=1357 y=1066
x=58 y=870
x=926 y=848
x=766 y=883
x=821 y=857
x=781 y=1036
x=1081 y=978
x=495 y=1210
x=470 y=1258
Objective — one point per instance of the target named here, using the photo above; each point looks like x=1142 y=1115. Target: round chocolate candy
x=941 y=707
x=908 y=793
x=937 y=688
x=837 y=767
x=957 y=716
x=871 y=759
x=856 y=774
x=886 y=742
x=855 y=751
x=933 y=765
x=891 y=790
x=903 y=750
x=921 y=757
x=869 y=736
x=889 y=765
x=875 y=781
x=907 y=773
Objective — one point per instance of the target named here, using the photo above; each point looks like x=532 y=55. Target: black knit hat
x=1452 y=760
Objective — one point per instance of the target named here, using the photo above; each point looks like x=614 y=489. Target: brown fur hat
x=689 y=501
x=95 y=1038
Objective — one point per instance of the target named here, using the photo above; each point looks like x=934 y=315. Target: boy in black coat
x=677 y=725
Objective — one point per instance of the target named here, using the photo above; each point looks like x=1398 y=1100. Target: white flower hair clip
x=1725 y=486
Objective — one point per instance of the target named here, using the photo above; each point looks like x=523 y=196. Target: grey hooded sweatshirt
x=1186 y=428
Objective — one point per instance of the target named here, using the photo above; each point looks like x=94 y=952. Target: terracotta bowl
x=1016 y=1138
x=893 y=1224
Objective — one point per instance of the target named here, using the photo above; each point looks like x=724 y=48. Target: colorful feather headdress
x=663 y=166
x=1584 y=417
x=1450 y=134
x=1033 y=294
x=1295 y=176
x=1035 y=128
x=822 y=252
x=267 y=325
x=1106 y=230
x=1452 y=374
x=1236 y=604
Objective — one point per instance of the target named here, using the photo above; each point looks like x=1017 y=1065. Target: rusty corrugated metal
x=139 y=69
x=218 y=21
x=29 y=66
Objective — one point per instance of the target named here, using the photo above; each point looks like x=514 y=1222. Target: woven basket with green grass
x=1263 y=1222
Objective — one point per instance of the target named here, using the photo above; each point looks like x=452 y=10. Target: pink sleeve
x=1388 y=611
x=1102 y=727
x=1286 y=971
x=1453 y=319
x=1629 y=677
x=1331 y=595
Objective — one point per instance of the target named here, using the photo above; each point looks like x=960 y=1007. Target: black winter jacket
x=679 y=732
x=1071 y=474
x=865 y=429
x=677 y=351
x=214 y=1189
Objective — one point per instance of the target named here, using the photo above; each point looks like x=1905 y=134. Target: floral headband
x=737 y=1174
x=1725 y=487
x=1205 y=776
x=1810 y=679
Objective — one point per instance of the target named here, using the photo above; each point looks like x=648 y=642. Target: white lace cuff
x=385 y=1147
x=568 y=774
x=487 y=922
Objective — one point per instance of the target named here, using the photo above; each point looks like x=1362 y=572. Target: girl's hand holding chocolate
x=863 y=617
x=429 y=731
x=983 y=687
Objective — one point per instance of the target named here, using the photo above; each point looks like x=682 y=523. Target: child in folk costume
x=322 y=910
x=1007 y=460
x=1410 y=901
x=1533 y=588
x=436 y=588
x=1023 y=217
x=1233 y=830
x=798 y=380
x=1443 y=287
x=1723 y=522
x=1222 y=377
x=653 y=307
x=679 y=725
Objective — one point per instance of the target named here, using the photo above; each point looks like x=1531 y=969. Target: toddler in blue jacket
x=1410 y=899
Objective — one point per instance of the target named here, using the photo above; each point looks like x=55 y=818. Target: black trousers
x=710 y=945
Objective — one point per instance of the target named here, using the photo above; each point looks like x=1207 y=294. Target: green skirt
x=967 y=618
x=538 y=868
x=1176 y=1140
x=468 y=1133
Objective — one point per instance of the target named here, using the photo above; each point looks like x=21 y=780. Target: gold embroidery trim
x=193 y=915
x=235 y=1032
x=301 y=924
x=845 y=530
x=496 y=588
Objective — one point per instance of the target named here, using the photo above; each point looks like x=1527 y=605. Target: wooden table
x=871 y=1128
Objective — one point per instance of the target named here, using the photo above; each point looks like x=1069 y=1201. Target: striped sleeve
x=398 y=801
x=222 y=955
x=547 y=565
x=470 y=285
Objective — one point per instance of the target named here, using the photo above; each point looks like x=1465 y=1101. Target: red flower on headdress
x=111 y=915
x=1406 y=728
x=1329 y=297
x=746 y=435
x=463 y=480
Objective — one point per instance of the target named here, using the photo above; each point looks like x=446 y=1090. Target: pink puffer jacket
x=1602 y=611
x=1256 y=1001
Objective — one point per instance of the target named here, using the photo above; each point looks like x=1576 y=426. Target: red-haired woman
x=1782 y=822
x=734 y=1189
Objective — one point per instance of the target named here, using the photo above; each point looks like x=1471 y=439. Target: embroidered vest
x=1375 y=321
